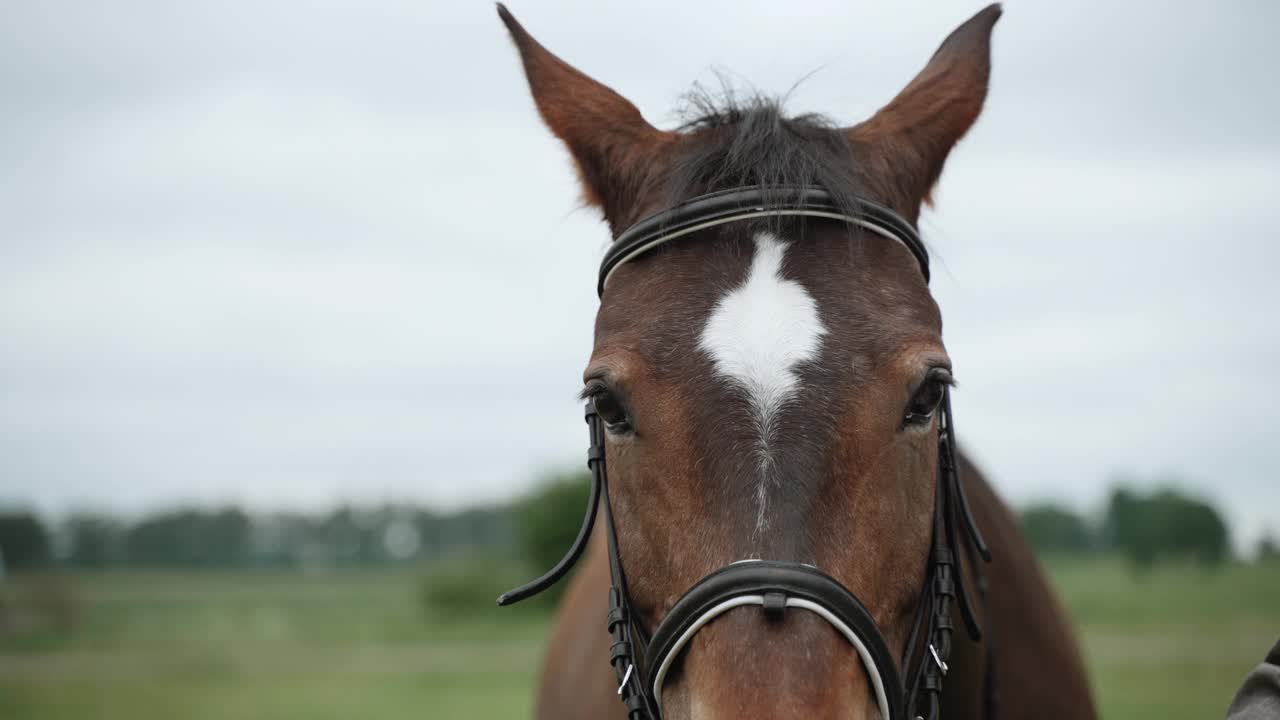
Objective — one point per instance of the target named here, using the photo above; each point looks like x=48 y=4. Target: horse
x=786 y=528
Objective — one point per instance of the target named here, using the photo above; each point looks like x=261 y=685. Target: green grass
x=277 y=645
x=1172 y=643
x=267 y=645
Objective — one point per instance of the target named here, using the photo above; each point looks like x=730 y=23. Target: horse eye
x=926 y=400
x=610 y=410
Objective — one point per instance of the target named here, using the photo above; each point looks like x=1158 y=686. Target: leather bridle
x=641 y=661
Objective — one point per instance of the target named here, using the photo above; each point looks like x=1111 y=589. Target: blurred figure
x=1259 y=697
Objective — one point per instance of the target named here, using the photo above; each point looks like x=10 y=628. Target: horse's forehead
x=743 y=350
x=759 y=331
x=757 y=336
x=769 y=296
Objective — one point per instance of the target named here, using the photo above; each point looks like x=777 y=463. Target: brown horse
x=770 y=389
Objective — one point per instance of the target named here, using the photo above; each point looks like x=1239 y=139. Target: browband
x=728 y=206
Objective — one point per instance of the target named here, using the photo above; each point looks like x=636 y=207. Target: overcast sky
x=293 y=255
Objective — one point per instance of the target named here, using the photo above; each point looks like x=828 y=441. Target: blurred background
x=295 y=298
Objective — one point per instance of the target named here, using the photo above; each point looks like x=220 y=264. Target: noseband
x=642 y=661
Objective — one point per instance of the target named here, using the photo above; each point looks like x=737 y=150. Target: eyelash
x=593 y=393
x=943 y=379
x=592 y=389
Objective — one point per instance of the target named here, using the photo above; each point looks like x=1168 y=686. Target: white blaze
x=756 y=336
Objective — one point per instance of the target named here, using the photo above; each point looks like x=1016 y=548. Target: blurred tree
x=1268 y=550
x=225 y=537
x=469 y=583
x=190 y=538
x=94 y=540
x=1122 y=520
x=285 y=539
x=490 y=529
x=1052 y=528
x=24 y=541
x=1165 y=525
x=428 y=524
x=343 y=536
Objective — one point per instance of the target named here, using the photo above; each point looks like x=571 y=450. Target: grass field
x=1175 y=643
x=360 y=644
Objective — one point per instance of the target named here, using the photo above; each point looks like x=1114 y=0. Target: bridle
x=642 y=661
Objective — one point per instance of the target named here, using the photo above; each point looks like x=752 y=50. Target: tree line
x=1147 y=528
x=230 y=537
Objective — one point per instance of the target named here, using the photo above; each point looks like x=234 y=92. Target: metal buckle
x=941 y=665
x=627 y=676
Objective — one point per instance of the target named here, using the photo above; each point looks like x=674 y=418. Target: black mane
x=750 y=141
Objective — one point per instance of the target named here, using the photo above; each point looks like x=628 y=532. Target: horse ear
x=610 y=142
x=909 y=138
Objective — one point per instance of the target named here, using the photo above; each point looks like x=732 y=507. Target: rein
x=642 y=661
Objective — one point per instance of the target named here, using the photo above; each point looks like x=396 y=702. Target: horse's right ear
x=611 y=143
x=914 y=133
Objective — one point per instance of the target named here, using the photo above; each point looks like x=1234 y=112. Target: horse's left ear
x=909 y=138
x=611 y=143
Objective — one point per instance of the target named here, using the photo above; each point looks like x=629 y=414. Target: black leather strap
x=562 y=568
x=744 y=203
x=944 y=584
x=625 y=653
x=776 y=580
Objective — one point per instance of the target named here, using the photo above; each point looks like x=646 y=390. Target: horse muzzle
x=777 y=590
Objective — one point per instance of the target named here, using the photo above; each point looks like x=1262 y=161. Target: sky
x=293 y=255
